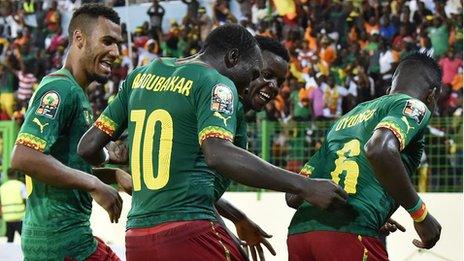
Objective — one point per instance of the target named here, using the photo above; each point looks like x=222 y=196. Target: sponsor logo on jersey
x=217 y=114
x=88 y=117
x=41 y=126
x=222 y=99
x=415 y=109
x=407 y=124
x=49 y=104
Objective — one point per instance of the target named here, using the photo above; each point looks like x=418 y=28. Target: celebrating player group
x=187 y=136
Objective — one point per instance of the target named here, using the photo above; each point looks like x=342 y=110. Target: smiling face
x=265 y=88
x=101 y=50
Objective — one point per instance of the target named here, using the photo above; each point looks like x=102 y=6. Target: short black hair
x=273 y=46
x=229 y=36
x=84 y=17
x=427 y=61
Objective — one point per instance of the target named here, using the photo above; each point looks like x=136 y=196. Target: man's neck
x=72 y=65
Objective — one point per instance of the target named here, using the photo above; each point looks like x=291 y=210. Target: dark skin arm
x=246 y=168
x=114 y=176
x=247 y=230
x=382 y=151
x=91 y=145
x=242 y=166
x=49 y=170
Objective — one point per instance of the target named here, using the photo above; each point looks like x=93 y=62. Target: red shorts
x=186 y=240
x=103 y=252
x=330 y=246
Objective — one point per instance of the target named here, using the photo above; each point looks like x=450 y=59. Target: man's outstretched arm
x=49 y=170
x=382 y=151
x=246 y=168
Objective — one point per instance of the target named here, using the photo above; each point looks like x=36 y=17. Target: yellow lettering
x=186 y=89
x=152 y=84
x=141 y=80
x=135 y=83
x=172 y=83
x=179 y=85
x=159 y=84
x=340 y=124
x=149 y=79
x=166 y=84
x=353 y=120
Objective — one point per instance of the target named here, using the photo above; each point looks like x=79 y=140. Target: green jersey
x=342 y=159
x=57 y=224
x=169 y=108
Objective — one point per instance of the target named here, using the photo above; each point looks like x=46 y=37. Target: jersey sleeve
x=113 y=120
x=216 y=110
x=48 y=116
x=406 y=118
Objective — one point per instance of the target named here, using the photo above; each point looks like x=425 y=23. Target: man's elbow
x=85 y=150
x=377 y=152
x=213 y=150
x=18 y=159
x=212 y=160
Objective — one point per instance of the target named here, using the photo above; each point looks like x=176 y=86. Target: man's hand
x=109 y=199
x=124 y=181
x=253 y=236
x=390 y=227
x=429 y=232
x=324 y=194
x=119 y=154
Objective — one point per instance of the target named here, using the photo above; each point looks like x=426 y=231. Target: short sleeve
x=48 y=116
x=406 y=118
x=216 y=109
x=113 y=120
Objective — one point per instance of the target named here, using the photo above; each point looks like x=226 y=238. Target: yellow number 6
x=344 y=163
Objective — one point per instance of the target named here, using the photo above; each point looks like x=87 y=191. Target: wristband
x=418 y=212
x=107 y=156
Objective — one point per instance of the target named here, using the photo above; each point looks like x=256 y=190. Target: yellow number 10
x=165 y=149
x=344 y=163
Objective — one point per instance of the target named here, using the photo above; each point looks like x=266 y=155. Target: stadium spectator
x=13 y=204
x=53 y=18
x=324 y=38
x=26 y=81
x=449 y=66
x=156 y=13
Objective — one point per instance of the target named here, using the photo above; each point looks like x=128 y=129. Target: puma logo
x=217 y=114
x=407 y=123
x=42 y=126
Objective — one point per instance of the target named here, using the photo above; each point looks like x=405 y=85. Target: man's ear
x=78 y=38
x=432 y=95
x=231 y=58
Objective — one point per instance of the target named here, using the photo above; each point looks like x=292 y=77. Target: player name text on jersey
x=348 y=122
x=157 y=83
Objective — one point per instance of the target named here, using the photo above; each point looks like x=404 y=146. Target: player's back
x=170 y=111
x=342 y=159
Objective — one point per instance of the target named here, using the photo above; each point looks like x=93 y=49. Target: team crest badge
x=222 y=99
x=88 y=117
x=49 y=104
x=415 y=109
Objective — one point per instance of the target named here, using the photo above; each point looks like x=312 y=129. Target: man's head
x=233 y=52
x=419 y=76
x=275 y=66
x=94 y=34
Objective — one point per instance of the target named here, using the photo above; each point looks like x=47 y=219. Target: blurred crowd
x=342 y=52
